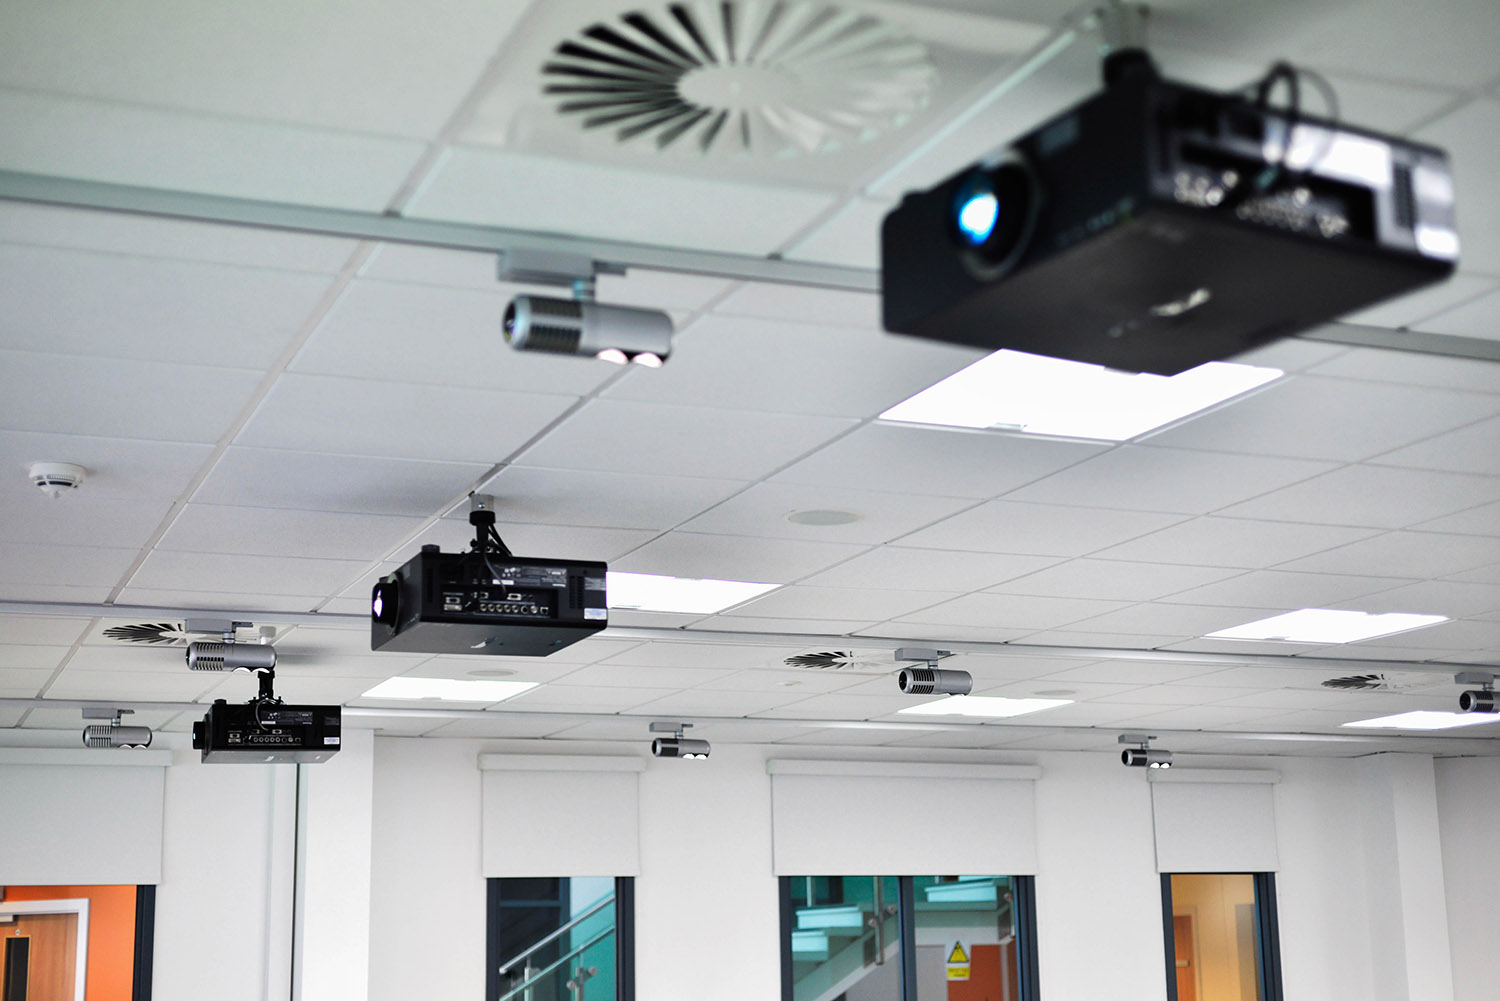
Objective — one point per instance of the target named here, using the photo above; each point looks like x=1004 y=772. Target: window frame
x=624 y=936
x=1267 y=932
x=1024 y=909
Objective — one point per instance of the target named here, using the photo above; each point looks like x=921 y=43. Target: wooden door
x=1187 y=957
x=52 y=955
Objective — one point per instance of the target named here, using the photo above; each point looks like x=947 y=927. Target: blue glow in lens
x=977 y=215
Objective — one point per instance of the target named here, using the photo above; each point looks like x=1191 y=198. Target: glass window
x=560 y=939
x=909 y=938
x=1220 y=936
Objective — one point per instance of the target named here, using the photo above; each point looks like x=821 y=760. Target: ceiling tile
x=94 y=396
x=1037 y=529
x=65 y=521
x=1472 y=449
x=42 y=630
x=1162 y=618
x=484 y=725
x=1405 y=554
x=814 y=630
x=584 y=698
x=1374 y=496
x=1111 y=580
x=1012 y=611
x=18 y=684
x=181 y=686
x=728 y=655
x=1131 y=672
x=1432 y=641
x=28 y=657
x=254 y=574
x=316 y=481
x=1233 y=542
x=899 y=568
x=1413 y=368
x=260 y=531
x=1198 y=717
x=1287 y=590
x=1408 y=311
x=1473 y=319
x=235 y=601
x=414 y=333
x=760 y=364
x=561 y=196
x=72 y=719
x=1141 y=478
x=842 y=706
x=851 y=237
x=629 y=437
x=117 y=468
x=839 y=603
x=1481 y=520
x=924 y=634
x=27 y=563
x=542 y=670
x=724 y=557
x=553 y=542
x=312 y=413
x=151 y=309
x=301 y=689
x=1454 y=599
x=155 y=147
x=952 y=463
x=602 y=499
x=615 y=675
x=789 y=680
x=803 y=304
x=698 y=702
x=767 y=508
x=1308 y=416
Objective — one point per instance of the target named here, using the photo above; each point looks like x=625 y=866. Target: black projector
x=1158 y=226
x=487 y=603
x=267 y=732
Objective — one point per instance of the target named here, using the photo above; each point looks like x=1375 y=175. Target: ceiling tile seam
x=123 y=358
x=1461 y=100
x=335 y=291
x=1416 y=325
x=231 y=117
x=67 y=658
x=158 y=256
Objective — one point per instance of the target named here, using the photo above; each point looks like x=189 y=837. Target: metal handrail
x=562 y=961
x=603 y=902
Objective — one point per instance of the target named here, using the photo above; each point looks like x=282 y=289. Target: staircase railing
x=530 y=976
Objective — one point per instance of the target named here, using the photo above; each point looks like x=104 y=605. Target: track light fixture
x=930 y=680
x=113 y=734
x=676 y=746
x=1481 y=700
x=579 y=326
x=208 y=655
x=1144 y=756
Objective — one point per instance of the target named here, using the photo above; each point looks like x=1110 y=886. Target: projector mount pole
x=1123 y=27
x=482 y=516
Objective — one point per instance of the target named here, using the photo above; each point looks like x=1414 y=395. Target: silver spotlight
x=619 y=334
x=113 y=734
x=676 y=746
x=1144 y=756
x=934 y=681
x=1481 y=701
x=210 y=655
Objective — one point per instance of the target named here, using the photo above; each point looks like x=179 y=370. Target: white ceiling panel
x=769 y=561
x=311 y=412
x=1434 y=641
x=300 y=689
x=483 y=725
x=1292 y=354
x=252 y=574
x=560 y=196
x=717 y=655
x=79 y=566
x=153 y=147
x=1112 y=580
x=1285 y=590
x=1012 y=611
x=584 y=698
x=1197 y=717
x=317 y=481
x=758 y=364
x=1409 y=367
x=260 y=531
x=566 y=542
x=1141 y=478
x=1472 y=449
x=28 y=657
x=1454 y=599
x=928 y=569
x=66 y=521
x=416 y=334
x=698 y=702
x=851 y=237
x=629 y=437
x=1162 y=618
x=41 y=630
x=1131 y=672
x=1473 y=319
x=602 y=499
x=237 y=601
x=1233 y=542
x=807 y=682
x=1471 y=135
x=542 y=670
x=1308 y=416
x=181 y=686
x=117 y=468
x=840 y=603
x=951 y=463
x=809 y=628
x=85 y=594
x=72 y=719
x=842 y=706
x=1037 y=529
x=144 y=236
x=924 y=634
x=1410 y=311
x=1373 y=496
x=18 y=684
x=151 y=309
x=92 y=396
x=616 y=675
x=767 y=509
x=1407 y=554
x=802 y=304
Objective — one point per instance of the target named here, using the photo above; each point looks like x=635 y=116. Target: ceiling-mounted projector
x=1158 y=226
x=487 y=601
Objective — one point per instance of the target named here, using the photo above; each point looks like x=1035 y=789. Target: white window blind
x=1215 y=821
x=561 y=815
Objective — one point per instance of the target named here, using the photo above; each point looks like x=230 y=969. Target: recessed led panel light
x=1328 y=625
x=447 y=689
x=649 y=592
x=1015 y=391
x=1425 y=719
x=983 y=705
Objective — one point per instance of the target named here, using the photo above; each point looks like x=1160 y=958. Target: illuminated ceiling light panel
x=648 y=592
x=1015 y=391
x=983 y=705
x=1327 y=625
x=448 y=689
x=1426 y=719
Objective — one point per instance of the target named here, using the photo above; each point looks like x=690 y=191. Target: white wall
x=1468 y=800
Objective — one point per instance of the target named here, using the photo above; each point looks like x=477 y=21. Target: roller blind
x=81 y=817
x=561 y=815
x=1212 y=821
x=859 y=818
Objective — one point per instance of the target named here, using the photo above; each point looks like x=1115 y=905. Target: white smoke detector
x=56 y=478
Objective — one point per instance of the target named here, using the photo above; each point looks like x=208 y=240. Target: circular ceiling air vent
x=158 y=633
x=1383 y=682
x=769 y=78
x=841 y=660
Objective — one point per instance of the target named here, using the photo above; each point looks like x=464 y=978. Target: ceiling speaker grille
x=769 y=78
